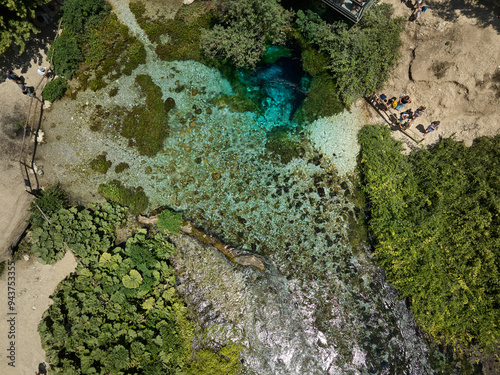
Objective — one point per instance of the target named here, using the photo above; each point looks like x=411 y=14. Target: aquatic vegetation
x=55 y=89
x=146 y=126
x=121 y=167
x=183 y=31
x=236 y=103
x=274 y=53
x=109 y=52
x=133 y=198
x=435 y=219
x=207 y=362
x=322 y=100
x=113 y=92
x=170 y=221
x=100 y=163
x=282 y=145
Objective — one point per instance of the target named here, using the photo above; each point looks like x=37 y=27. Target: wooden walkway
x=31 y=132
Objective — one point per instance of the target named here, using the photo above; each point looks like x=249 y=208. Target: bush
x=360 y=57
x=170 y=221
x=322 y=100
x=435 y=219
x=246 y=28
x=84 y=231
x=82 y=15
x=66 y=55
x=55 y=89
x=133 y=198
x=49 y=201
x=118 y=313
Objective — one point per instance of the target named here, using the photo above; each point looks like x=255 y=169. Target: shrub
x=322 y=100
x=436 y=224
x=49 y=201
x=66 y=55
x=360 y=57
x=170 y=221
x=118 y=312
x=84 y=231
x=133 y=198
x=55 y=89
x=246 y=28
x=81 y=15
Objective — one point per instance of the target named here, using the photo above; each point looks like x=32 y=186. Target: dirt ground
x=449 y=64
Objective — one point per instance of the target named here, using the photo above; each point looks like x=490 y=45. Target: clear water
x=214 y=168
x=277 y=87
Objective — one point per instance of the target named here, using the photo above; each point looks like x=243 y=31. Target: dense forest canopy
x=15 y=22
x=436 y=220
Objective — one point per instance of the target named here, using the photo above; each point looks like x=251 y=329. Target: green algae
x=146 y=126
x=100 y=163
x=133 y=198
x=121 y=167
x=184 y=31
x=109 y=52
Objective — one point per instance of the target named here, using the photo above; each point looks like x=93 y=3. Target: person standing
x=13 y=77
x=403 y=99
x=419 y=112
x=433 y=126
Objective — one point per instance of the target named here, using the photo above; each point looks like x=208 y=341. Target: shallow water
x=343 y=316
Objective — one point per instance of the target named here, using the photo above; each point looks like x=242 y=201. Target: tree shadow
x=19 y=63
x=484 y=11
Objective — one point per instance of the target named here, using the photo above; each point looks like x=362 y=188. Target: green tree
x=245 y=27
x=360 y=57
x=437 y=228
x=82 y=15
x=15 y=26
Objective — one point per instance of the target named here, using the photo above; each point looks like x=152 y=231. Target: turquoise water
x=215 y=169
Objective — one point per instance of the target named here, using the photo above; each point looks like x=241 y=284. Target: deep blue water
x=277 y=87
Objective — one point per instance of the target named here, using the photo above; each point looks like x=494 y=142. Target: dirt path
x=34 y=283
x=449 y=64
